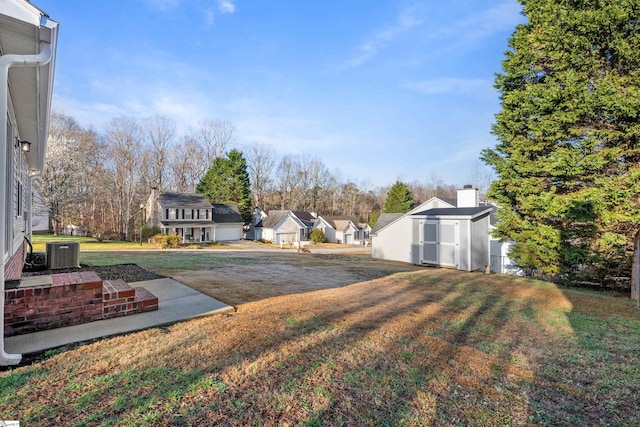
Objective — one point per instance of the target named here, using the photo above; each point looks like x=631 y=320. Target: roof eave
x=27 y=29
x=450 y=216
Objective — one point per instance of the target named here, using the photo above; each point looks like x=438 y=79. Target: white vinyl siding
x=16 y=180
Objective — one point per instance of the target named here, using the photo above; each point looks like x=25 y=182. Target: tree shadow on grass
x=440 y=347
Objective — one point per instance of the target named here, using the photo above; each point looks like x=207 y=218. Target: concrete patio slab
x=176 y=302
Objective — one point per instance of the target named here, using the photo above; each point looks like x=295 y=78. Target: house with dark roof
x=437 y=233
x=193 y=217
x=278 y=227
x=307 y=218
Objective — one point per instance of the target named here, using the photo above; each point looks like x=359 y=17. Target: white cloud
x=377 y=41
x=223 y=7
x=226 y=6
x=503 y=16
x=466 y=32
x=209 y=17
x=451 y=85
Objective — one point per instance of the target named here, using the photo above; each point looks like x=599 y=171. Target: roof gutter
x=6 y=62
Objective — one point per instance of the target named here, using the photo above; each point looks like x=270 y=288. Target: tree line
x=98 y=180
x=567 y=159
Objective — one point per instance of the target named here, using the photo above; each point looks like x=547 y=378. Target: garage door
x=227 y=233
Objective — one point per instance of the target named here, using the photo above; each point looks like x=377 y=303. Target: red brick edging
x=71 y=299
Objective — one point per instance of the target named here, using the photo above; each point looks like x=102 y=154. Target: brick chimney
x=468 y=197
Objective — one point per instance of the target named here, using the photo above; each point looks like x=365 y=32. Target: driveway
x=251 y=245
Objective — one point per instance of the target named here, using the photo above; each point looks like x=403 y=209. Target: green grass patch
x=165 y=261
x=13 y=381
x=92 y=244
x=87 y=243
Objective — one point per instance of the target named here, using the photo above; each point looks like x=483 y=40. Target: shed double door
x=439 y=242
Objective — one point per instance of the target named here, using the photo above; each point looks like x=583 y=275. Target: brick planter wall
x=69 y=300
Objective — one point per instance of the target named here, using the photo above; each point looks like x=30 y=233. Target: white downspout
x=6 y=62
x=32 y=176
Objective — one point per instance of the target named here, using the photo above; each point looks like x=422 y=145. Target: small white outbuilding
x=440 y=232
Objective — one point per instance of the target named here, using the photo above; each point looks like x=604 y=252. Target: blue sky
x=378 y=90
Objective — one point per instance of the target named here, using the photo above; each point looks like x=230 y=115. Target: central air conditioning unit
x=63 y=255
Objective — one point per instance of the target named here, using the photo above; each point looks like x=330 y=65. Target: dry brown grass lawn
x=242 y=278
x=426 y=347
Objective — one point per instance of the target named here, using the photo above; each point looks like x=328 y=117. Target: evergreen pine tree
x=568 y=155
x=399 y=199
x=227 y=181
x=373 y=218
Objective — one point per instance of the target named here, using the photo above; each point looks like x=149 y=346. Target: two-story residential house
x=28 y=40
x=193 y=217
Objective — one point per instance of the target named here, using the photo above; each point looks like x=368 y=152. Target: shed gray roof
x=455 y=211
x=451 y=201
x=384 y=220
x=225 y=214
x=181 y=200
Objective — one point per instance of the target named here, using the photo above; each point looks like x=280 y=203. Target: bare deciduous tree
x=60 y=184
x=260 y=163
x=125 y=145
x=98 y=180
x=285 y=182
x=349 y=195
x=160 y=132
x=184 y=175
x=480 y=176
x=213 y=137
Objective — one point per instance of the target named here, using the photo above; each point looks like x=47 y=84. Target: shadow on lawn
x=413 y=352
x=434 y=346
